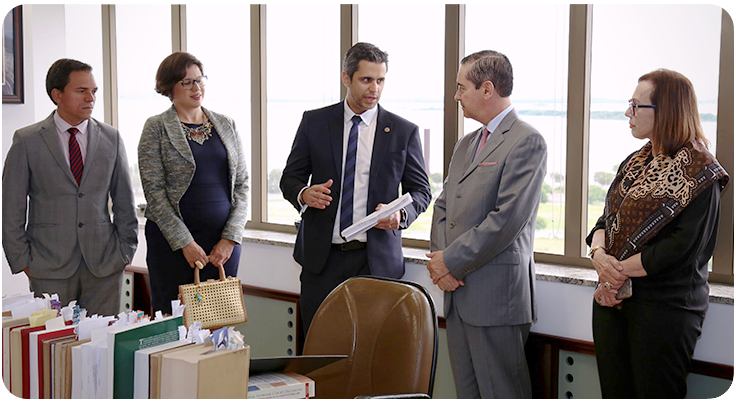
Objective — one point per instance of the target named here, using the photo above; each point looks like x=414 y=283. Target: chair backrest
x=388 y=330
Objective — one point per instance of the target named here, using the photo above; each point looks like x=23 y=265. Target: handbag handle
x=199 y=266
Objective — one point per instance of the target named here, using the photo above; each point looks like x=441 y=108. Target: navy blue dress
x=205 y=208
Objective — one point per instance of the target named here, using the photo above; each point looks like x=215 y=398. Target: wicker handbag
x=213 y=303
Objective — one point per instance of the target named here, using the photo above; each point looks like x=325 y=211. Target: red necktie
x=75 y=155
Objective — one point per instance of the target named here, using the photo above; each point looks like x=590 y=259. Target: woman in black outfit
x=652 y=245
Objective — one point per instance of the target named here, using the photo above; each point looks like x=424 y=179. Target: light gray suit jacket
x=66 y=221
x=484 y=221
x=167 y=166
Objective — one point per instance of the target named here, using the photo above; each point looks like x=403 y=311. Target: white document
x=371 y=220
x=77 y=372
x=11 y=301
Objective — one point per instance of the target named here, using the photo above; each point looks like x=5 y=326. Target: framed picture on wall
x=13 y=56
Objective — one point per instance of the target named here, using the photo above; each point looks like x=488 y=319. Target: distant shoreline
x=599 y=115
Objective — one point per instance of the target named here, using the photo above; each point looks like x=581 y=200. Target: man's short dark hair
x=172 y=70
x=490 y=65
x=59 y=73
x=362 y=51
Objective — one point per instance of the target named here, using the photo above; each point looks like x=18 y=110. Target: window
x=628 y=42
x=303 y=73
x=414 y=82
x=82 y=46
x=226 y=64
x=539 y=62
x=139 y=53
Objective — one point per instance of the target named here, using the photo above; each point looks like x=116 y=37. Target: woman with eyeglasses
x=652 y=245
x=195 y=181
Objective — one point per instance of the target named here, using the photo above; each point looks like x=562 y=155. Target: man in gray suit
x=59 y=176
x=482 y=237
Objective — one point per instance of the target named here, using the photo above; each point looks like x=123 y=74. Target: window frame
x=578 y=112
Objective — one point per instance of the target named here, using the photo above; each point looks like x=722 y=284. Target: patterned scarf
x=650 y=191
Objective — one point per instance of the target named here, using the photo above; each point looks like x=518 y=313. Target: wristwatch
x=403 y=219
x=591 y=253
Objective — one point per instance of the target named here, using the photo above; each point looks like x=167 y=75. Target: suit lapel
x=380 y=144
x=470 y=152
x=93 y=142
x=495 y=140
x=51 y=137
x=336 y=128
x=176 y=134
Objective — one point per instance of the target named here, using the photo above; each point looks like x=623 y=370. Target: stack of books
x=48 y=356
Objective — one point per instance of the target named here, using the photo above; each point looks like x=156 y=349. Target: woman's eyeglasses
x=633 y=106
x=188 y=83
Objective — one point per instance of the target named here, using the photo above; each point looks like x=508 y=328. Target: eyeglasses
x=188 y=83
x=633 y=106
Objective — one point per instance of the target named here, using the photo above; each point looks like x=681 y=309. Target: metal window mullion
x=109 y=64
x=454 y=52
x=723 y=258
x=259 y=196
x=178 y=28
x=348 y=36
x=578 y=113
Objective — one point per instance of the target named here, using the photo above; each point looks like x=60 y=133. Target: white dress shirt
x=62 y=128
x=366 y=136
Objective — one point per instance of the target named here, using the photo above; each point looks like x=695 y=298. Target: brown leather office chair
x=388 y=330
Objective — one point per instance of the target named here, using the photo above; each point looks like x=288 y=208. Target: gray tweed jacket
x=167 y=166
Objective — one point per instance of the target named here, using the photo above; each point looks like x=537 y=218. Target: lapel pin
x=387 y=129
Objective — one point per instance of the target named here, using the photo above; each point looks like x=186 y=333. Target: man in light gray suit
x=59 y=176
x=482 y=237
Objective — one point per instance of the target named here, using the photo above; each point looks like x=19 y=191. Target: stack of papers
x=371 y=220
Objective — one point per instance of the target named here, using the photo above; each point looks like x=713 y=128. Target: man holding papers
x=356 y=155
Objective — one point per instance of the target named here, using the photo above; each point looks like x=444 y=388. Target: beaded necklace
x=198 y=134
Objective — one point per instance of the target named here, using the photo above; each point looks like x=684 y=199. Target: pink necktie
x=75 y=155
x=483 y=140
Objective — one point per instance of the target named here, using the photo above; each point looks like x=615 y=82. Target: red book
x=24 y=333
x=39 y=347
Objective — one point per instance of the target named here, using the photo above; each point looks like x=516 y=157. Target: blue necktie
x=346 y=207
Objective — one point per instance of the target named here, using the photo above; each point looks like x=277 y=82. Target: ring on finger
x=607 y=285
x=600 y=299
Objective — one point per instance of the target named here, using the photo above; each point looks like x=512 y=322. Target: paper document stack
x=280 y=385
x=371 y=220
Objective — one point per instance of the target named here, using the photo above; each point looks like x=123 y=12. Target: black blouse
x=676 y=259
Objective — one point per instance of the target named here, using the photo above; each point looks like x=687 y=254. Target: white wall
x=43 y=43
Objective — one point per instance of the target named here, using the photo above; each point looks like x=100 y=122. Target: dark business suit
x=396 y=160
x=484 y=222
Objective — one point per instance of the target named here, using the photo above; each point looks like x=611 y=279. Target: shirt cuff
x=303 y=206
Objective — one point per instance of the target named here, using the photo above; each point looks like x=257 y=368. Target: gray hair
x=490 y=65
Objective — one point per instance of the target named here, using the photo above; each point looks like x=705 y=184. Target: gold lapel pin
x=387 y=129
